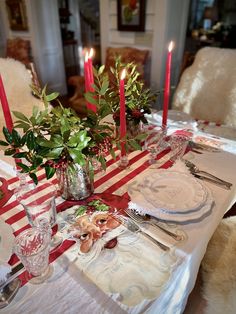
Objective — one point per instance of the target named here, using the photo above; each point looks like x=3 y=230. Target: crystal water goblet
x=178 y=144
x=154 y=142
x=32 y=246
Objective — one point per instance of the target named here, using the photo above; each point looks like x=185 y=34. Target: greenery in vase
x=138 y=98
x=56 y=137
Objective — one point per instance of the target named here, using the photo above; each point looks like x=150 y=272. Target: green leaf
x=16 y=138
x=101 y=69
x=81 y=210
x=23 y=166
x=77 y=156
x=22 y=125
x=35 y=111
x=20 y=155
x=46 y=143
x=10 y=151
x=134 y=144
x=49 y=172
x=66 y=136
x=57 y=139
x=91 y=99
x=52 y=96
x=118 y=145
x=33 y=120
x=55 y=152
x=7 y=135
x=104 y=88
x=2 y=143
x=79 y=140
x=20 y=116
x=33 y=177
x=30 y=141
x=23 y=139
x=37 y=161
x=141 y=136
x=112 y=152
x=102 y=160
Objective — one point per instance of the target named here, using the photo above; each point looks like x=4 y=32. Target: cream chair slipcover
x=207 y=89
x=16 y=80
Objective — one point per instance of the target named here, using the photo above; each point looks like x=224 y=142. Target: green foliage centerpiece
x=138 y=98
x=58 y=140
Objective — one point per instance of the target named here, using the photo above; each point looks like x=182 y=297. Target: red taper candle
x=122 y=112
x=167 y=85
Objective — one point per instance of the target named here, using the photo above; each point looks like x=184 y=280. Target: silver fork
x=195 y=170
x=141 y=220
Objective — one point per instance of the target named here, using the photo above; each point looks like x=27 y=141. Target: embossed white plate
x=6 y=241
x=170 y=191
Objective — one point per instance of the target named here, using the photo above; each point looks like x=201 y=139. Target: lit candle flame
x=91 y=53
x=171 y=46
x=123 y=74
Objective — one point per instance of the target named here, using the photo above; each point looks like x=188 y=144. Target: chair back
x=19 y=49
x=207 y=89
x=129 y=54
x=17 y=80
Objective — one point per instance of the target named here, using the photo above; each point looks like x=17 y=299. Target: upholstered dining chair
x=218 y=269
x=19 y=49
x=127 y=54
x=17 y=80
x=207 y=89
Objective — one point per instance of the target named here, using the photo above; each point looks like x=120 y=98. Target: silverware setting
x=8 y=291
x=10 y=287
x=152 y=222
x=204 y=175
x=132 y=226
x=203 y=147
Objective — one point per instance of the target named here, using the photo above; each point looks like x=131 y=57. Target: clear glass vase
x=74 y=181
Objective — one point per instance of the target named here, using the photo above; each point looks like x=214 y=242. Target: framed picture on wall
x=16 y=10
x=131 y=15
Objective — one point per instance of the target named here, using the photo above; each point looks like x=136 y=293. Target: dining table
x=135 y=276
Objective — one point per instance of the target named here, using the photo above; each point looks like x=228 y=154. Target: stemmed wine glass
x=39 y=204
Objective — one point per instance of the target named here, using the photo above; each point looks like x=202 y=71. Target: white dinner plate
x=169 y=191
x=192 y=217
x=6 y=241
x=175 y=117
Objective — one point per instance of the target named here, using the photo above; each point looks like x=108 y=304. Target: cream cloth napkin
x=133 y=273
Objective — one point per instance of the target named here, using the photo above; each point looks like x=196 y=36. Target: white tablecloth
x=69 y=291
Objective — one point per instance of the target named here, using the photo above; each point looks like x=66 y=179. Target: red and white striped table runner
x=115 y=180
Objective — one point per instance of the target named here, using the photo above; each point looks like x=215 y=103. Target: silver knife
x=134 y=227
x=221 y=184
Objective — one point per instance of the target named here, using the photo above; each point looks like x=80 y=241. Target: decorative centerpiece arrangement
x=57 y=140
x=61 y=142
x=106 y=95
